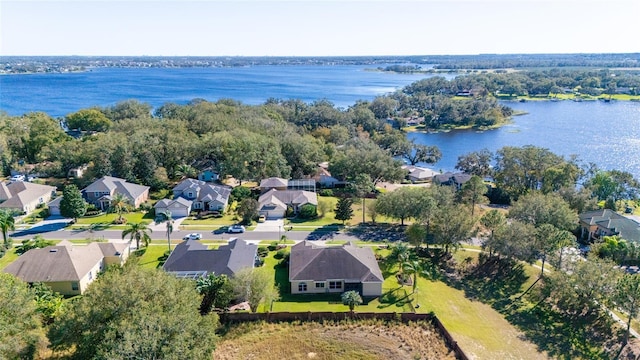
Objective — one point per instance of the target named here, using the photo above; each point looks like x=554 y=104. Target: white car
x=236 y=229
x=17 y=178
x=193 y=236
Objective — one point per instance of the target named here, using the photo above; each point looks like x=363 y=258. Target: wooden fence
x=338 y=316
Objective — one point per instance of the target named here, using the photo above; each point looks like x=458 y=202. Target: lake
x=607 y=134
x=61 y=94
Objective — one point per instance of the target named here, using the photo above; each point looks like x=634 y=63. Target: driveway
x=162 y=226
x=270 y=225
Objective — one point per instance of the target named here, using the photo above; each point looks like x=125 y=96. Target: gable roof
x=315 y=263
x=20 y=193
x=626 y=228
x=63 y=262
x=273 y=182
x=277 y=197
x=193 y=256
x=115 y=185
x=165 y=203
x=204 y=191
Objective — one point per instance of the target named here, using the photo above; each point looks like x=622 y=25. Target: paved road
x=179 y=234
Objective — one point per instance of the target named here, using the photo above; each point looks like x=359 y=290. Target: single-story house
x=203 y=195
x=192 y=259
x=179 y=207
x=67 y=268
x=419 y=174
x=451 y=179
x=273 y=204
x=334 y=269
x=101 y=192
x=284 y=184
x=24 y=197
x=324 y=179
x=208 y=175
x=605 y=222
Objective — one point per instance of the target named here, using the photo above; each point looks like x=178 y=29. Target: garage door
x=275 y=214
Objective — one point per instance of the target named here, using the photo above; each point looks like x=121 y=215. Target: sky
x=317 y=28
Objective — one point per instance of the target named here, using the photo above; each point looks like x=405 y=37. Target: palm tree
x=7 y=223
x=137 y=231
x=186 y=171
x=169 y=228
x=119 y=203
x=413 y=267
x=351 y=298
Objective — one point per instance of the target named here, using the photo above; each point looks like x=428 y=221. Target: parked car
x=236 y=229
x=193 y=236
x=262 y=218
x=17 y=178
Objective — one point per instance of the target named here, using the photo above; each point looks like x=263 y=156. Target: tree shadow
x=377 y=232
x=395 y=297
x=327 y=232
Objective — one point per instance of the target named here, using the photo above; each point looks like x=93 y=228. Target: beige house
x=274 y=203
x=101 y=192
x=66 y=268
x=22 y=196
x=317 y=269
x=605 y=222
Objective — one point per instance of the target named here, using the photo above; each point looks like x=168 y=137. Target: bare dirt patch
x=344 y=340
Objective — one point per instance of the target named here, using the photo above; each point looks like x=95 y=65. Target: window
x=335 y=284
x=302 y=287
x=74 y=286
x=90 y=276
x=319 y=285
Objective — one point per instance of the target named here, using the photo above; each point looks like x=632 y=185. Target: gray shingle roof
x=115 y=185
x=278 y=197
x=627 y=229
x=193 y=256
x=315 y=263
x=63 y=262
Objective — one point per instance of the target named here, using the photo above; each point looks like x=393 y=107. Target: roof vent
x=53 y=250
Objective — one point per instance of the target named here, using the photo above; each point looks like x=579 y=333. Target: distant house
x=77 y=172
x=208 y=175
x=203 y=195
x=24 y=197
x=605 y=222
x=284 y=184
x=66 y=268
x=324 y=179
x=101 y=192
x=192 y=259
x=274 y=203
x=334 y=269
x=419 y=174
x=451 y=179
x=178 y=208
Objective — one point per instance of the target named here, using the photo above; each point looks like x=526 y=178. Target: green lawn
x=479 y=329
x=151 y=256
x=8 y=258
x=106 y=220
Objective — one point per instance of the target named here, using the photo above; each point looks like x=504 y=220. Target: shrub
x=325 y=192
x=308 y=211
x=273 y=246
x=263 y=251
x=280 y=254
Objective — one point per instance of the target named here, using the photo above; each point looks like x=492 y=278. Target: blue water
x=607 y=134
x=61 y=94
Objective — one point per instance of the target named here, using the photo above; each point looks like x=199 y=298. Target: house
x=192 y=259
x=54 y=206
x=324 y=179
x=66 y=268
x=605 y=222
x=179 y=207
x=419 y=174
x=284 y=184
x=208 y=175
x=274 y=203
x=24 y=197
x=334 y=269
x=77 y=172
x=203 y=196
x=451 y=179
x=101 y=192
